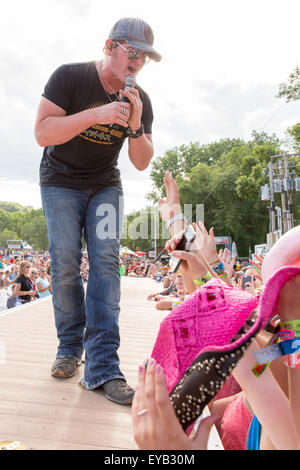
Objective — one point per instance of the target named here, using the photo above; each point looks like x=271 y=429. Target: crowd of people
x=30 y=272
x=35 y=271
x=24 y=276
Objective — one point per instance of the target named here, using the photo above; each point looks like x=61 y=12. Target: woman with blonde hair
x=23 y=283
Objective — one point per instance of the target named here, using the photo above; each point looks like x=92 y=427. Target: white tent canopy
x=126 y=251
x=26 y=246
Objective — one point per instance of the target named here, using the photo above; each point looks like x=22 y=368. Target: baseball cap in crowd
x=137 y=33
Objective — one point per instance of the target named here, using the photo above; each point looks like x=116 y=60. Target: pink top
x=230 y=388
x=235 y=425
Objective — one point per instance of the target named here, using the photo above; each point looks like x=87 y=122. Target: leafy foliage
x=24 y=224
x=226 y=177
x=140 y=230
x=290 y=90
x=5 y=235
x=181 y=160
x=294 y=133
x=13 y=207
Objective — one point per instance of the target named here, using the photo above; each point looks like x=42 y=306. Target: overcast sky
x=222 y=64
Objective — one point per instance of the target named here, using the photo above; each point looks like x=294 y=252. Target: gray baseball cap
x=137 y=33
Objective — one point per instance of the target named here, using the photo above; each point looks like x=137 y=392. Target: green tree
x=140 y=230
x=35 y=233
x=262 y=138
x=4 y=219
x=16 y=221
x=5 y=235
x=290 y=90
x=181 y=160
x=229 y=187
x=13 y=207
x=294 y=133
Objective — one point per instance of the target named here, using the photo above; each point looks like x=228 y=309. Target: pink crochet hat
x=200 y=343
x=216 y=312
x=212 y=316
x=197 y=344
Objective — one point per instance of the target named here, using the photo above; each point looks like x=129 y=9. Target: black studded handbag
x=206 y=376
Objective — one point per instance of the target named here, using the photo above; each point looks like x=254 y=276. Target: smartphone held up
x=184 y=245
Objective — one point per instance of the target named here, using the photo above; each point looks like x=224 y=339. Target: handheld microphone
x=130 y=82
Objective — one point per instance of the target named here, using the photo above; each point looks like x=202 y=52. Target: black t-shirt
x=89 y=160
x=25 y=287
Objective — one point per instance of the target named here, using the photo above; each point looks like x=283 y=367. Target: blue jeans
x=91 y=323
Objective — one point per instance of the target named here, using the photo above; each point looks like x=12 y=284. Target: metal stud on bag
x=203 y=380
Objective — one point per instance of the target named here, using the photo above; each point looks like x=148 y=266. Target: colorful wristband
x=274 y=351
x=219 y=269
x=293 y=325
x=199 y=282
x=290 y=346
x=206 y=278
x=222 y=274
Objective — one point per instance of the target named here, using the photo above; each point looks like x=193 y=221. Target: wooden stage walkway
x=47 y=413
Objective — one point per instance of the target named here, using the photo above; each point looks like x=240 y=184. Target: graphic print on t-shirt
x=101 y=134
x=81 y=163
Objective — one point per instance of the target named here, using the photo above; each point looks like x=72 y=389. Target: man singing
x=82 y=123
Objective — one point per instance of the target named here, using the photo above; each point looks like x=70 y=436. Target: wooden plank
x=47 y=413
x=43 y=444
